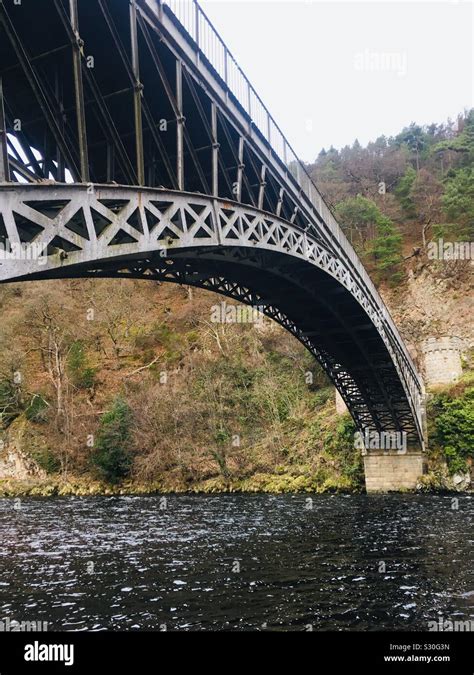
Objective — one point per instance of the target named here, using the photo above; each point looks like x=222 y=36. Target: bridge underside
x=120 y=93
x=302 y=300
x=237 y=251
x=313 y=307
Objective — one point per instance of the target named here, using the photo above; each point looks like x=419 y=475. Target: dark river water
x=237 y=562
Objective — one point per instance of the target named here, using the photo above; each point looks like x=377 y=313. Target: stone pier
x=392 y=471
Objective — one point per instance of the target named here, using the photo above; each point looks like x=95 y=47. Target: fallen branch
x=138 y=370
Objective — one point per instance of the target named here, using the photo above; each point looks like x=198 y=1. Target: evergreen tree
x=463 y=143
x=386 y=249
x=358 y=215
x=111 y=455
x=403 y=192
x=458 y=201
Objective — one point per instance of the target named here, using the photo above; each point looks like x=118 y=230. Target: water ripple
x=237 y=562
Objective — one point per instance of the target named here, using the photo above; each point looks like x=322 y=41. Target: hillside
x=129 y=385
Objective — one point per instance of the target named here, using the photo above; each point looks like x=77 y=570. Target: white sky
x=333 y=71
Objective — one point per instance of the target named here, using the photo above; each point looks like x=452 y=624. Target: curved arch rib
x=248 y=254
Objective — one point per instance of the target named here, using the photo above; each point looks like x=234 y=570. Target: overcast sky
x=330 y=72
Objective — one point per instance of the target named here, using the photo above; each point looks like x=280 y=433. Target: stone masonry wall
x=392 y=471
x=442 y=360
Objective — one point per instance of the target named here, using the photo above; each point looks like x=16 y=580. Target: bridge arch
x=192 y=182
x=236 y=250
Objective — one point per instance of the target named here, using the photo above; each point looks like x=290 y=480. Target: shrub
x=322 y=396
x=37 y=410
x=10 y=403
x=47 y=460
x=111 y=455
x=458 y=201
x=453 y=428
x=340 y=445
x=82 y=375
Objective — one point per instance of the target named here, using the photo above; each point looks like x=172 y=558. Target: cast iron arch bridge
x=132 y=145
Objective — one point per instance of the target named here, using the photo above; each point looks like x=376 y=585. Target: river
x=237 y=562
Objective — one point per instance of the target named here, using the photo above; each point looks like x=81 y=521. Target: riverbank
x=243 y=410
x=322 y=459
x=260 y=483
x=435 y=482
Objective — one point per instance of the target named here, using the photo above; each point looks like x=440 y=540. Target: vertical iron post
x=4 y=166
x=77 y=49
x=137 y=94
x=215 y=152
x=179 y=125
x=261 y=190
x=240 y=169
